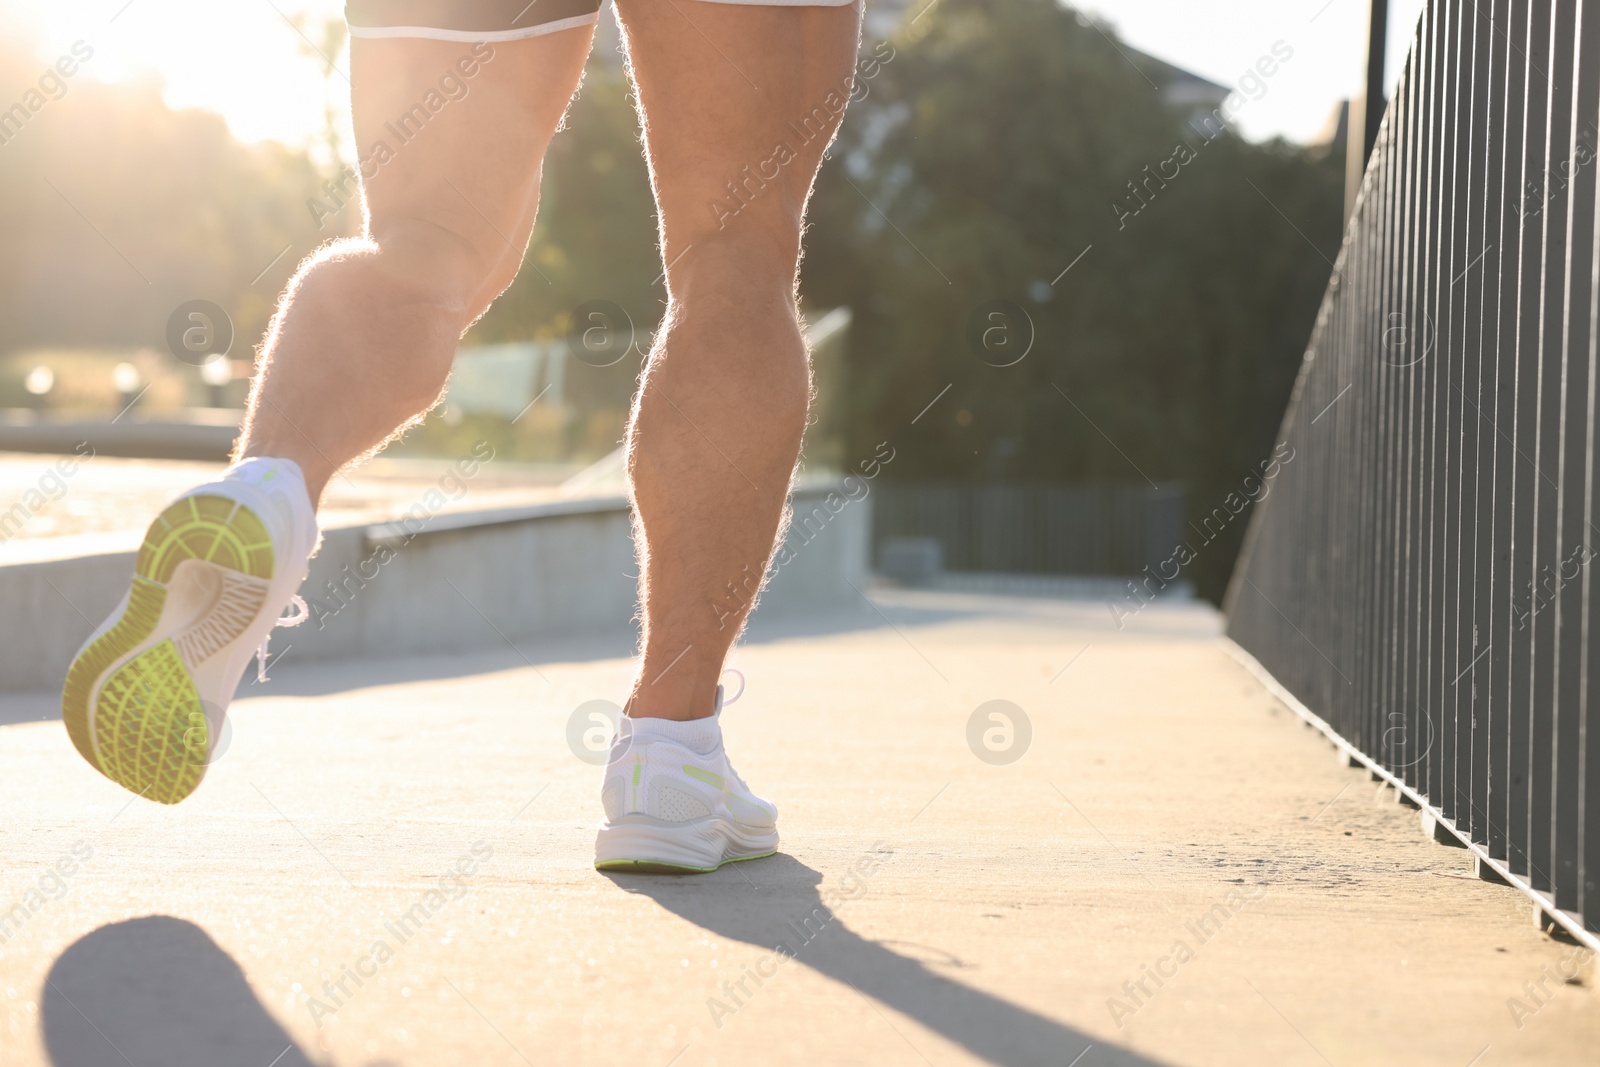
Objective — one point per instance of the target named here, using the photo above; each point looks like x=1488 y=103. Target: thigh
x=738 y=102
x=453 y=133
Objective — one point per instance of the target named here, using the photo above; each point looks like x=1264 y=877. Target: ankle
x=687 y=700
x=314 y=471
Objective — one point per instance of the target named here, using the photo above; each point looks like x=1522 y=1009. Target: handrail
x=1420 y=577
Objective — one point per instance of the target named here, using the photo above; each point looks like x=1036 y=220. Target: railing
x=1419 y=580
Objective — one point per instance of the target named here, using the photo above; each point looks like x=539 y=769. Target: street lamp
x=217 y=372
x=125 y=380
x=39 y=382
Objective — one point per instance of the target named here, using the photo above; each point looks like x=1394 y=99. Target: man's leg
x=454 y=135
x=739 y=102
x=363 y=341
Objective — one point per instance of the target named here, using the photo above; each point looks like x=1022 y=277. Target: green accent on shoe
x=655 y=867
x=150 y=728
x=715 y=781
x=215 y=529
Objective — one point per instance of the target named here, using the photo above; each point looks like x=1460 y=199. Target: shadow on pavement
x=900 y=608
x=157 y=990
x=766 y=903
x=495 y=652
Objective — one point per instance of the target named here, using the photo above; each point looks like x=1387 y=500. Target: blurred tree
x=115 y=209
x=985 y=157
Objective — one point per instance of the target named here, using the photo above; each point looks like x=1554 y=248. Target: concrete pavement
x=390 y=865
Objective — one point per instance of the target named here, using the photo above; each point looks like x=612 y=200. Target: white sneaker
x=146 y=696
x=674 y=804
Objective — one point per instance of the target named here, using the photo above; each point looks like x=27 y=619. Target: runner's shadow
x=157 y=991
x=775 y=905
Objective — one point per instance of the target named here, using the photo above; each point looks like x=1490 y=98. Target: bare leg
x=362 y=343
x=716 y=428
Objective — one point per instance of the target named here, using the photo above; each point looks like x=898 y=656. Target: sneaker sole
x=130 y=703
x=642 y=845
x=658 y=867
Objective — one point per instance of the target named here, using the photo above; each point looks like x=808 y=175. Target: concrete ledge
x=445 y=583
x=193 y=433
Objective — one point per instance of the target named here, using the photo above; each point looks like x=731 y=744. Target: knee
x=434 y=262
x=733 y=309
x=751 y=273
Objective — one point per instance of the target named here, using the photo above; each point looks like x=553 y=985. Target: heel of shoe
x=211 y=528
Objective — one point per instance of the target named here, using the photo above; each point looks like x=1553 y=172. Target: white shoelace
x=302 y=613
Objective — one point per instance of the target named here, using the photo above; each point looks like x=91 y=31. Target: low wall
x=459 y=581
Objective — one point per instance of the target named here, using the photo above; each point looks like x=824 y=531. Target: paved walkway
x=391 y=866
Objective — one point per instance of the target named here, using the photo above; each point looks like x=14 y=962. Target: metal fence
x=1034 y=529
x=1420 y=578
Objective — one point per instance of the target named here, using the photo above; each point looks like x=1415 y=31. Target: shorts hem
x=470 y=36
x=785 y=3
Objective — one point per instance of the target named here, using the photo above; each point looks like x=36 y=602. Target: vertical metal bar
x=1512 y=16
x=1527 y=480
x=1428 y=698
x=1335 y=452
x=1393 y=724
x=1338 y=454
x=1588 y=140
x=1572 y=513
x=1367 y=113
x=1556 y=55
x=1465 y=245
x=1448 y=467
x=1393 y=136
x=1377 y=52
x=1436 y=434
x=1413 y=350
x=1370 y=274
x=1476 y=429
x=1369 y=394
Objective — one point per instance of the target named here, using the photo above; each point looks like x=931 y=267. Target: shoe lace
x=729 y=700
x=302 y=613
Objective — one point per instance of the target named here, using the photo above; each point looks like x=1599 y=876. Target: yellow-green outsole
x=150 y=733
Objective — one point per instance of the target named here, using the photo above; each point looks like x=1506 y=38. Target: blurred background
x=1062 y=267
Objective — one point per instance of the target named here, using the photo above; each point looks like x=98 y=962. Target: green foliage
x=985 y=157
x=114 y=210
